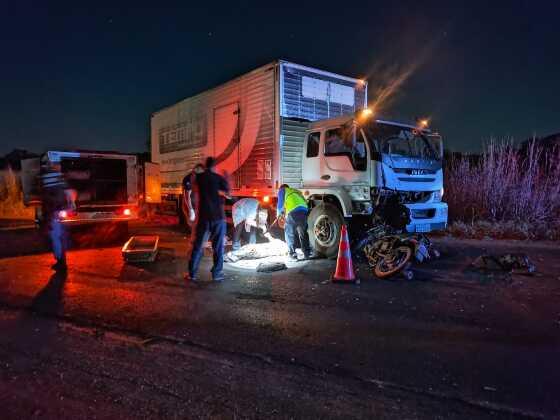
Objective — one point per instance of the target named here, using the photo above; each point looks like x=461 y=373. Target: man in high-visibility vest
x=293 y=207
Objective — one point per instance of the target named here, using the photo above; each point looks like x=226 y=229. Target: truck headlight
x=437 y=196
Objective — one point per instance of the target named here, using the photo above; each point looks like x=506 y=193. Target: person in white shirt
x=248 y=217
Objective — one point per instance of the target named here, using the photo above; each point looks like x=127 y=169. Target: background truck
x=109 y=185
x=277 y=124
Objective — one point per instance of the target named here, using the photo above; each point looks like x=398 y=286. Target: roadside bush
x=11 y=197
x=505 y=192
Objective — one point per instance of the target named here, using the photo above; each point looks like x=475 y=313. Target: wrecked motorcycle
x=388 y=252
x=387 y=247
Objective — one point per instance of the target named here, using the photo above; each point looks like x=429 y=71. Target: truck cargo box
x=248 y=124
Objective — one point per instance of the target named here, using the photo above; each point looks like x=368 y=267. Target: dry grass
x=11 y=197
x=505 y=193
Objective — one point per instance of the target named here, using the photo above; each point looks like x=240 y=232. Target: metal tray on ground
x=141 y=248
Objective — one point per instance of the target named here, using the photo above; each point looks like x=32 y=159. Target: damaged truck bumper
x=427 y=217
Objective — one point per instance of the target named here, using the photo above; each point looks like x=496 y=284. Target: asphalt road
x=114 y=340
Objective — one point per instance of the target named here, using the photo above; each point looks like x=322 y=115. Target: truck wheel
x=324 y=223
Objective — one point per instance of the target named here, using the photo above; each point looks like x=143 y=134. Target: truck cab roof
x=343 y=119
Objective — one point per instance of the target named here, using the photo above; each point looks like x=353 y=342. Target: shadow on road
x=49 y=300
x=22 y=328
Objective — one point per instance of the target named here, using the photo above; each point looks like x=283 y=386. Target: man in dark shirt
x=211 y=220
x=56 y=200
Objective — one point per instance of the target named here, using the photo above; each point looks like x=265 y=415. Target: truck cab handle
x=325 y=177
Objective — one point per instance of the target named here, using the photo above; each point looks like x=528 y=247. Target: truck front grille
x=414 y=179
x=423 y=213
x=416 y=196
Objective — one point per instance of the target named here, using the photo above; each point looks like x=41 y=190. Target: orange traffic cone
x=344 y=268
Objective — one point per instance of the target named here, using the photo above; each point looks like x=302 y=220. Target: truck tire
x=324 y=223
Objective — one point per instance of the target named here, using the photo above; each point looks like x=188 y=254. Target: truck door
x=345 y=157
x=312 y=160
x=226 y=140
x=30 y=169
x=152 y=183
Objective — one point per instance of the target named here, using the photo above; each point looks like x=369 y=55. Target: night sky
x=90 y=76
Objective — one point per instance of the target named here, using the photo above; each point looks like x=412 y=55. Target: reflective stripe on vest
x=292 y=199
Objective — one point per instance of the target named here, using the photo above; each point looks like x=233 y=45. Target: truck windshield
x=404 y=141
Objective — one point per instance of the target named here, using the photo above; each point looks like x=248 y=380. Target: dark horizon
x=89 y=77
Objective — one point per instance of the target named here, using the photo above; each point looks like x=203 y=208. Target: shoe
x=192 y=279
x=59 y=266
x=218 y=277
x=293 y=257
x=311 y=256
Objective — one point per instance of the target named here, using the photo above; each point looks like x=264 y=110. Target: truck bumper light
x=427 y=218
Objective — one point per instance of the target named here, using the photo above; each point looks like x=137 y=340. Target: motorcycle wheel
x=386 y=267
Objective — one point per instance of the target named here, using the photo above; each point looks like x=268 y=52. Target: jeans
x=238 y=233
x=296 y=223
x=215 y=231
x=59 y=240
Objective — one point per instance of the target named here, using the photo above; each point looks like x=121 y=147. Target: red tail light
x=63 y=214
x=127 y=212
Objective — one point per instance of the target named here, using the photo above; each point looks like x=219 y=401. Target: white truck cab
x=350 y=162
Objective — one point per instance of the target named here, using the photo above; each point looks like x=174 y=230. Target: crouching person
x=293 y=207
x=248 y=217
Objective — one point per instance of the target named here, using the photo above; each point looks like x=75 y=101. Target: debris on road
x=515 y=263
x=269 y=267
x=141 y=248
